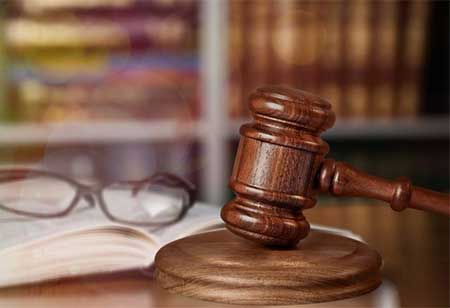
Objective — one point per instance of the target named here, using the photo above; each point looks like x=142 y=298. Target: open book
x=86 y=242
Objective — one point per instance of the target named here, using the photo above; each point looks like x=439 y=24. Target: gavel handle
x=341 y=179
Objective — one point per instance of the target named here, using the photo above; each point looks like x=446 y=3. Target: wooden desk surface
x=414 y=245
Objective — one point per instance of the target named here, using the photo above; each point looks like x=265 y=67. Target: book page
x=16 y=229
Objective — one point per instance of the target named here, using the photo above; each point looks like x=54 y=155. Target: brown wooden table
x=414 y=245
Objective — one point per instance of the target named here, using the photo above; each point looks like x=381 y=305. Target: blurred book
x=156 y=87
x=123 y=32
x=39 y=7
x=365 y=57
x=411 y=62
x=84 y=61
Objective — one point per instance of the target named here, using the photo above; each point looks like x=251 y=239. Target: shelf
x=166 y=130
x=99 y=132
x=431 y=127
x=407 y=128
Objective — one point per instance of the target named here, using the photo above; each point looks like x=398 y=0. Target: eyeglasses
x=157 y=200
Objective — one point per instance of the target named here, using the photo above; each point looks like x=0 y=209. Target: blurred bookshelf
x=161 y=85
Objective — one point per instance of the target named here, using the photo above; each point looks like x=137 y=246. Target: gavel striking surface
x=279 y=169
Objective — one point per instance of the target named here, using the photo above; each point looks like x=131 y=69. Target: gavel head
x=274 y=171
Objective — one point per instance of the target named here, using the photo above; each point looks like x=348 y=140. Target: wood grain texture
x=341 y=179
x=277 y=156
x=219 y=266
x=280 y=167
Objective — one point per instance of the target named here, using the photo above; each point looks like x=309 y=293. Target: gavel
x=280 y=167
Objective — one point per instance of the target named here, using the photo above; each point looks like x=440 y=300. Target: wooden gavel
x=280 y=167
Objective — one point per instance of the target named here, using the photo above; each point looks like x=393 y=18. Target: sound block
x=222 y=267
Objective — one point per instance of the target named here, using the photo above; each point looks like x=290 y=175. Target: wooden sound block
x=222 y=267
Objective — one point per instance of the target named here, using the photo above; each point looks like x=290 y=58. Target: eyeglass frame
x=90 y=192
